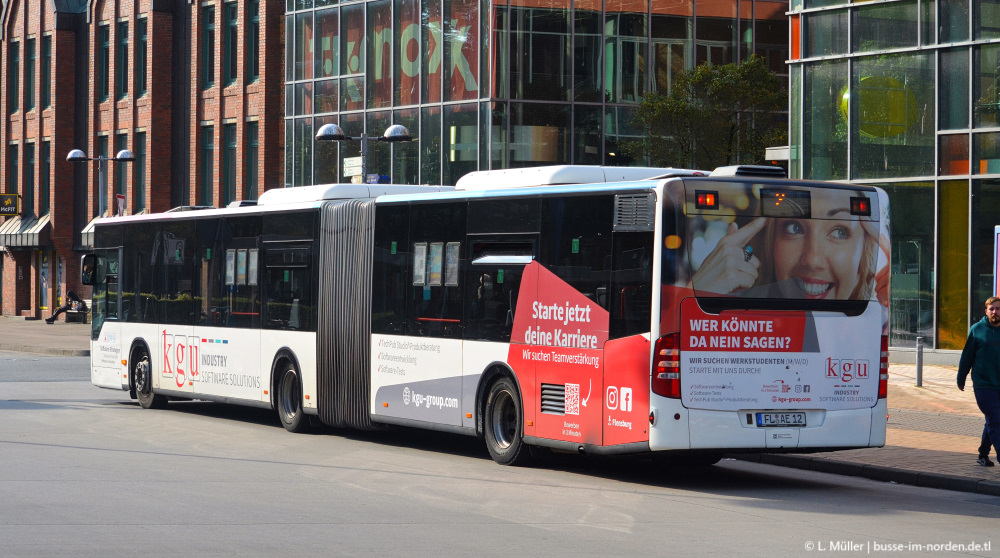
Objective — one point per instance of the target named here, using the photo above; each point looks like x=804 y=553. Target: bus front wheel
x=290 y=400
x=143 y=376
x=503 y=424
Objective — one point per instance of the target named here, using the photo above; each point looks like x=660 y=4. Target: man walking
x=982 y=355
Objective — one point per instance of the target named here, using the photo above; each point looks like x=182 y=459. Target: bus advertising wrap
x=560 y=342
x=784 y=270
x=776 y=360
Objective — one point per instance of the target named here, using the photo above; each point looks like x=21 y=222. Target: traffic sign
x=352 y=166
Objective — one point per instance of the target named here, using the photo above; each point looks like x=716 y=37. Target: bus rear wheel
x=504 y=438
x=142 y=374
x=289 y=401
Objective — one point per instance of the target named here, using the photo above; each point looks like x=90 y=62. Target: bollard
x=920 y=361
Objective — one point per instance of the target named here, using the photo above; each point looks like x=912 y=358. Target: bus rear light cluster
x=883 y=368
x=667 y=366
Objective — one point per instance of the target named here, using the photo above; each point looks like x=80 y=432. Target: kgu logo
x=845 y=369
x=180 y=357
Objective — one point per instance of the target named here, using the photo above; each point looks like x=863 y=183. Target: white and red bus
x=690 y=312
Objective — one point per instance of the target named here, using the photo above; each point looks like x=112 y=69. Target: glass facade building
x=489 y=84
x=903 y=94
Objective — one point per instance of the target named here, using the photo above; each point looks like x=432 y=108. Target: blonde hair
x=865 y=288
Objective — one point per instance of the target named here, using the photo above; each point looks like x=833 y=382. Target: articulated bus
x=683 y=315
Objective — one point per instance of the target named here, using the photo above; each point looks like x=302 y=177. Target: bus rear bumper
x=677 y=427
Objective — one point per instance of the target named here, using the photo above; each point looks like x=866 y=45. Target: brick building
x=189 y=87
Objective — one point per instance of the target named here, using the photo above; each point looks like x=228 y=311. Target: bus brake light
x=667 y=366
x=883 y=368
x=706 y=200
x=861 y=206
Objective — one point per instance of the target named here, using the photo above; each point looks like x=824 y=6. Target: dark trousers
x=988 y=400
x=61 y=309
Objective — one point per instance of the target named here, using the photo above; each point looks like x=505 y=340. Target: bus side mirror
x=87 y=266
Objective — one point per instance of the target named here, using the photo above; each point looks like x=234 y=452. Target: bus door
x=175 y=360
x=418 y=325
x=494 y=289
x=107 y=369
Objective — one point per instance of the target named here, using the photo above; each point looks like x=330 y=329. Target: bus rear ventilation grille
x=554 y=399
x=634 y=212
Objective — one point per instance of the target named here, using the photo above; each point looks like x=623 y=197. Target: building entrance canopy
x=25 y=232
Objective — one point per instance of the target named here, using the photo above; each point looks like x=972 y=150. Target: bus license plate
x=781 y=419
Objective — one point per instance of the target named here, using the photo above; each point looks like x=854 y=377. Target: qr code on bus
x=572 y=399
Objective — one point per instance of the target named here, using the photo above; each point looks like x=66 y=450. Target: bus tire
x=142 y=376
x=289 y=400
x=503 y=425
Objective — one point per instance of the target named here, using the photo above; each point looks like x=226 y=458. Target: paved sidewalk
x=36 y=336
x=931 y=441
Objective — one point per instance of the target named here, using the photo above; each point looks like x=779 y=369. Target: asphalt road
x=86 y=472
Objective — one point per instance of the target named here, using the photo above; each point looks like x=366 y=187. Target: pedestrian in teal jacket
x=981 y=355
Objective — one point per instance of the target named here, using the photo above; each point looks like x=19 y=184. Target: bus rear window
x=782 y=242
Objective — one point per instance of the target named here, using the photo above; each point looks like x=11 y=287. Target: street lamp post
x=78 y=156
x=333 y=132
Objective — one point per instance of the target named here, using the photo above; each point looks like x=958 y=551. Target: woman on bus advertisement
x=829 y=255
x=828 y=247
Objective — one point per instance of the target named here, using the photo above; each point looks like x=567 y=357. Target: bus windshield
x=752 y=240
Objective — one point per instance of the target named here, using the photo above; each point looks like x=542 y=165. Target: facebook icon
x=626 y=399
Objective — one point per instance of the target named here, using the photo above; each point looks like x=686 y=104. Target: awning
x=87 y=235
x=25 y=232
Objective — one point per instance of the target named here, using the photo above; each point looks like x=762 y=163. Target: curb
x=45 y=350
x=876 y=472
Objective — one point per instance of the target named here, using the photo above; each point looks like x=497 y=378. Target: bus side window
x=576 y=242
x=631 y=283
x=98 y=309
x=492 y=284
x=111 y=300
x=176 y=265
x=139 y=295
x=289 y=294
x=391 y=273
x=493 y=297
x=437 y=301
x=435 y=307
